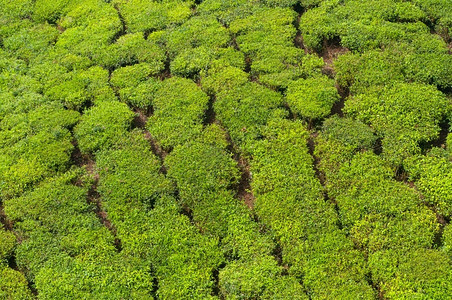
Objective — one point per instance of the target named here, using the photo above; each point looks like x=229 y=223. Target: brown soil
x=60 y=28
x=8 y=224
x=4 y=220
x=299 y=43
x=311 y=149
x=140 y=122
x=244 y=189
x=330 y=52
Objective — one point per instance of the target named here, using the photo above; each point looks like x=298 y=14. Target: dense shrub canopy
x=213 y=149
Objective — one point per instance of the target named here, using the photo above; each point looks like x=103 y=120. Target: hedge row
x=140 y=203
x=13 y=284
x=387 y=220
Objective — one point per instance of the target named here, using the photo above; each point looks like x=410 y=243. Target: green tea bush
x=89 y=26
x=103 y=125
x=349 y=132
x=432 y=176
x=246 y=109
x=199 y=31
x=421 y=274
x=28 y=43
x=134 y=85
x=312 y=98
x=8 y=242
x=130 y=49
x=303 y=221
x=179 y=107
x=143 y=15
x=148 y=221
x=13 y=284
x=403 y=114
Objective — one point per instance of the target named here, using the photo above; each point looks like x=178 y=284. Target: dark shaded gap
x=123 y=30
x=234 y=43
x=7 y=224
x=248 y=63
x=155 y=283
x=401 y=175
x=290 y=114
x=166 y=73
x=11 y=260
x=243 y=188
x=216 y=281
x=316 y=160
x=339 y=221
x=298 y=40
x=95 y=198
x=375 y=286
x=438 y=240
x=209 y=114
x=439 y=142
x=378 y=147
x=187 y=211
x=337 y=108
x=244 y=192
x=80 y=160
x=331 y=50
x=278 y=255
x=87 y=162
x=140 y=122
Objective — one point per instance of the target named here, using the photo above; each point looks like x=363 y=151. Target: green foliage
x=13 y=284
x=203 y=31
x=101 y=275
x=129 y=176
x=184 y=259
x=447 y=240
x=199 y=168
x=228 y=11
x=423 y=274
x=403 y=114
x=103 y=125
x=134 y=85
x=34 y=145
x=225 y=79
x=266 y=37
x=28 y=43
x=324 y=217
x=387 y=220
x=7 y=243
x=424 y=60
x=198 y=44
x=294 y=208
x=246 y=108
x=190 y=62
x=433 y=178
x=130 y=49
x=441 y=12
x=79 y=88
x=88 y=27
x=179 y=106
x=143 y=15
x=370 y=70
x=247 y=280
x=359 y=25
x=50 y=11
x=349 y=132
x=312 y=98
x=204 y=171
x=11 y=10
x=137 y=200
